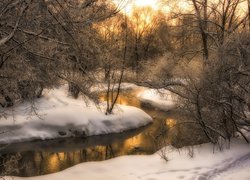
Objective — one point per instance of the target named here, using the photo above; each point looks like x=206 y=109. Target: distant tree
x=212 y=22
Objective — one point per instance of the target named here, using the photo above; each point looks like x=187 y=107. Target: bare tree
x=213 y=22
x=219 y=98
x=112 y=91
x=248 y=3
x=51 y=40
x=202 y=23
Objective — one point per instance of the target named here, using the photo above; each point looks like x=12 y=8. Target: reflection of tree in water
x=9 y=164
x=109 y=152
x=160 y=136
x=33 y=163
x=27 y=163
x=172 y=131
x=53 y=156
x=185 y=134
x=164 y=131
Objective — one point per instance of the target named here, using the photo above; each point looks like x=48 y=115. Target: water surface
x=45 y=157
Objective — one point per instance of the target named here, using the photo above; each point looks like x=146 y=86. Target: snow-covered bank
x=233 y=163
x=161 y=99
x=101 y=87
x=61 y=116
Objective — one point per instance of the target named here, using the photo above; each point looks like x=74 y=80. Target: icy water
x=45 y=157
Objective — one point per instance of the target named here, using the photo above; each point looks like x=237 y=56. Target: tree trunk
x=74 y=90
x=249 y=14
x=202 y=22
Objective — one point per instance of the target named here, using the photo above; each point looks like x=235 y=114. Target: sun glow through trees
x=129 y=6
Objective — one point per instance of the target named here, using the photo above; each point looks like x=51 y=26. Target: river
x=45 y=157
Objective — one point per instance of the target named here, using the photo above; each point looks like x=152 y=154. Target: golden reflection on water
x=122 y=101
x=170 y=122
x=140 y=140
x=53 y=162
x=143 y=143
x=37 y=159
x=61 y=156
x=125 y=98
x=45 y=162
x=134 y=141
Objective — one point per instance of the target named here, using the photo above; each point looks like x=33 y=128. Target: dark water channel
x=45 y=157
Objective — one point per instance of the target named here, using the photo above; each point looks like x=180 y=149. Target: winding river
x=45 y=157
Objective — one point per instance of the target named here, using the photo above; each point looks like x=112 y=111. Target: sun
x=145 y=3
x=130 y=5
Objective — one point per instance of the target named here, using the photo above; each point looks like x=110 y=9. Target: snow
x=161 y=99
x=65 y=114
x=61 y=116
x=158 y=98
x=238 y=170
x=230 y=163
x=100 y=87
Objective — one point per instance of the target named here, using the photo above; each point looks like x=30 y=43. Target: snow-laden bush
x=219 y=99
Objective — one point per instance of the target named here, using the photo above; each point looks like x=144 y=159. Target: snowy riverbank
x=157 y=98
x=233 y=163
x=160 y=99
x=63 y=116
x=56 y=115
